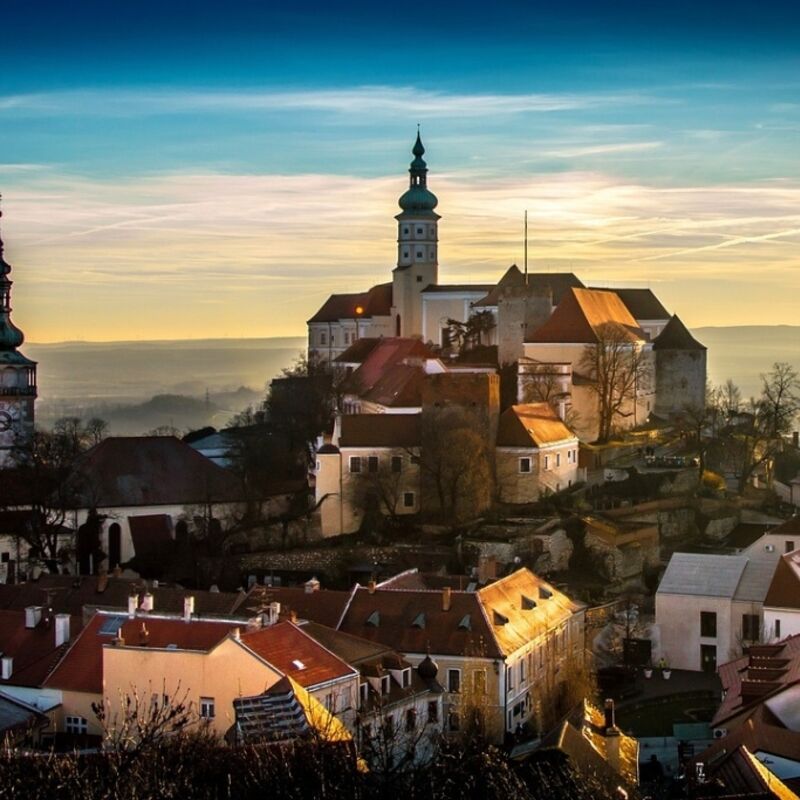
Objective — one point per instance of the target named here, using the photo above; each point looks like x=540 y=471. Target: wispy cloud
x=360 y=100
x=603 y=149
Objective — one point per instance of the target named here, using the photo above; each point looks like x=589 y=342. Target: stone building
x=680 y=369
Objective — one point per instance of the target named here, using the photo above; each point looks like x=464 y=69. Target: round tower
x=417 y=246
x=17 y=378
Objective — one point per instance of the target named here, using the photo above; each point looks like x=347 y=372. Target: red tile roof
x=33 y=649
x=358 y=351
x=380 y=430
x=642 y=303
x=296 y=654
x=399 y=387
x=388 y=616
x=125 y=471
x=81 y=668
x=324 y=606
x=784 y=591
x=386 y=355
x=375 y=302
x=581 y=315
x=531 y=425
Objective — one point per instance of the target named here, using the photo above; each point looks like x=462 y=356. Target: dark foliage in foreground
x=196 y=766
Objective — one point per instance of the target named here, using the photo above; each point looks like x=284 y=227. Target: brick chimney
x=446 y=592
x=188 y=608
x=62 y=629
x=147 y=602
x=312 y=586
x=133 y=604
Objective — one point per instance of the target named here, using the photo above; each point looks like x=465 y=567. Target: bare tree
x=618 y=368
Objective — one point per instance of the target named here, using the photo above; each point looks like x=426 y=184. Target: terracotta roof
x=521 y=606
x=81 y=668
x=676 y=336
x=386 y=355
x=784 y=591
x=388 y=616
x=531 y=425
x=33 y=649
x=399 y=387
x=380 y=430
x=555 y=282
x=296 y=654
x=582 y=314
x=376 y=302
x=125 y=471
x=324 y=606
x=414 y=579
x=352 y=649
x=359 y=350
x=742 y=776
x=764 y=672
x=642 y=303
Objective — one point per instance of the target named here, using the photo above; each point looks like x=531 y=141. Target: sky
x=208 y=170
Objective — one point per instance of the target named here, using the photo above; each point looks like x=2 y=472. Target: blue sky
x=197 y=169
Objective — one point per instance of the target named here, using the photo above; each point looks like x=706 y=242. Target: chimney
x=62 y=629
x=188 y=608
x=133 y=604
x=6 y=667
x=270 y=616
x=117 y=571
x=312 y=586
x=613 y=738
x=446 y=598
x=144 y=635
x=293 y=616
x=118 y=641
x=33 y=616
x=237 y=635
x=610 y=721
x=147 y=602
x=371 y=587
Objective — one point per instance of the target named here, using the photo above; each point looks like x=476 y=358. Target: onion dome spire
x=11 y=336
x=418 y=200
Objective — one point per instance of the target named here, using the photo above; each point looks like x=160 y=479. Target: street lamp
x=359 y=312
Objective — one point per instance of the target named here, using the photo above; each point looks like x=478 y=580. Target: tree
x=618 y=368
x=779 y=403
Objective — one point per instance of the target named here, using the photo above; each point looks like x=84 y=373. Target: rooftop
x=380 y=430
x=531 y=425
x=676 y=336
x=642 y=303
x=375 y=302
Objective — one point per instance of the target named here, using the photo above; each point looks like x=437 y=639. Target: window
x=406 y=678
x=397 y=463
x=525 y=465
x=419 y=253
x=420 y=231
x=411 y=719
x=333 y=340
x=355 y=463
x=522 y=671
x=405 y=230
x=750 y=627
x=386 y=684
x=509 y=679
x=708 y=624
x=207 y=708
x=405 y=253
x=777 y=629
x=454 y=680
x=5 y=558
x=408 y=499
x=330 y=702
x=479 y=682
x=433 y=711
x=789 y=546
x=364 y=692
x=547 y=462
x=372 y=464
x=419 y=278
x=76 y=725
x=323 y=339
x=558 y=459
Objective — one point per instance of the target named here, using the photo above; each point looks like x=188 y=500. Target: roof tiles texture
x=531 y=425
x=375 y=302
x=325 y=606
x=556 y=282
x=642 y=303
x=380 y=430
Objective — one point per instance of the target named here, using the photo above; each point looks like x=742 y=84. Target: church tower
x=17 y=378
x=417 y=245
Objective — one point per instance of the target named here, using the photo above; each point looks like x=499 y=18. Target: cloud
x=603 y=149
x=381 y=100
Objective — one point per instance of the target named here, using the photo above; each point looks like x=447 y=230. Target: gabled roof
x=81 y=667
x=581 y=316
x=124 y=471
x=386 y=355
x=33 y=649
x=358 y=351
x=784 y=590
x=295 y=653
x=676 y=336
x=380 y=430
x=352 y=649
x=387 y=616
x=702 y=574
x=531 y=425
x=521 y=606
x=642 y=303
x=556 y=282
x=743 y=776
x=375 y=302
x=399 y=387
x=465 y=288
x=324 y=606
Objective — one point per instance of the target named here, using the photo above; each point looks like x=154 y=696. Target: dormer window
x=406 y=678
x=527 y=604
x=544 y=594
x=419 y=621
x=298 y=664
x=386 y=684
x=374 y=619
x=465 y=623
x=499 y=619
x=363 y=690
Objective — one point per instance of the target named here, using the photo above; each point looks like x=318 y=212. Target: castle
x=544 y=323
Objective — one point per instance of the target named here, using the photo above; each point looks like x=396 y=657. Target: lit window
x=207 y=708
x=355 y=463
x=76 y=725
x=525 y=465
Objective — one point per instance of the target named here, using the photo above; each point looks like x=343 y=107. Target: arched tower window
x=397 y=325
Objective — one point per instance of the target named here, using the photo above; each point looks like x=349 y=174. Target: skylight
x=298 y=664
x=111 y=625
x=419 y=621
x=374 y=619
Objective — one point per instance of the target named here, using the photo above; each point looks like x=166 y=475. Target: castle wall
x=519 y=311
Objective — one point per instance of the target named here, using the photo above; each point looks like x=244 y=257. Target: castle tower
x=17 y=378
x=417 y=256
